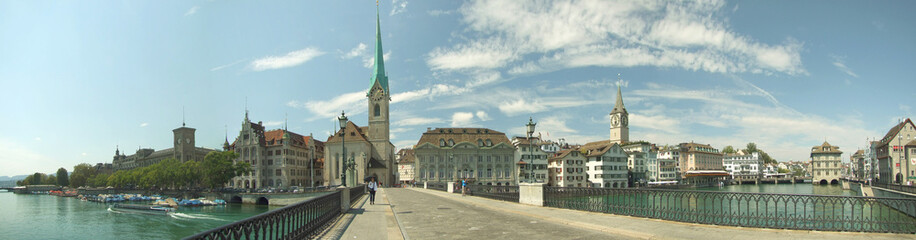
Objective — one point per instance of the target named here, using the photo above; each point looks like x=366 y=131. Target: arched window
x=377 y=110
x=451 y=142
x=479 y=143
x=441 y=142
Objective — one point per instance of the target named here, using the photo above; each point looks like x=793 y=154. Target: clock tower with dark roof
x=620 y=122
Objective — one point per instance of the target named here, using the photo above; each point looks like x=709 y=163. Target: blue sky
x=80 y=78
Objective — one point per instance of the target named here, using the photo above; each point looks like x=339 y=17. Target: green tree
x=751 y=147
x=36 y=179
x=728 y=149
x=81 y=173
x=62 y=179
x=218 y=168
x=783 y=170
x=99 y=180
x=50 y=180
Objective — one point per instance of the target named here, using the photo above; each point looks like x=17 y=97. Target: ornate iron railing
x=505 y=193
x=783 y=211
x=895 y=187
x=437 y=186
x=296 y=221
x=356 y=192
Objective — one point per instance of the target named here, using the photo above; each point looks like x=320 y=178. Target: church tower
x=620 y=125
x=379 y=95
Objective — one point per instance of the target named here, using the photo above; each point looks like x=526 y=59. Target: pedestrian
x=373 y=186
x=464 y=185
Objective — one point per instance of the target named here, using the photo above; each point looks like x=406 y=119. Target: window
x=377 y=110
x=451 y=142
x=442 y=142
x=279 y=172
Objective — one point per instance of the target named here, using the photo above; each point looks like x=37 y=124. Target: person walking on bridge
x=373 y=186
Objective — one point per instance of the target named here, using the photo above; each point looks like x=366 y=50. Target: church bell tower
x=620 y=124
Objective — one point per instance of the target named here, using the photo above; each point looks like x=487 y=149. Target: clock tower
x=620 y=122
x=380 y=162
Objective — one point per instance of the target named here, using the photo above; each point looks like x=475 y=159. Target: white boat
x=154 y=210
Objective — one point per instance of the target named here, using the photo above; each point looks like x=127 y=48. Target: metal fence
x=437 y=186
x=782 y=211
x=296 y=221
x=505 y=193
x=356 y=192
x=895 y=187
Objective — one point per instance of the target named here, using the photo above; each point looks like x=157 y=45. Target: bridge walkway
x=430 y=214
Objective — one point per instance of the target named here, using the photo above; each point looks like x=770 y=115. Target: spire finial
x=246 y=109
x=182 y=116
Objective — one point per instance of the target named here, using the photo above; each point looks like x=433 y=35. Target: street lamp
x=530 y=126
x=347 y=164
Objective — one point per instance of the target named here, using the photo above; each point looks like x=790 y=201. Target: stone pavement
x=416 y=213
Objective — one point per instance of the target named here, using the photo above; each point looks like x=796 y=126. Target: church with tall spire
x=371 y=146
x=620 y=124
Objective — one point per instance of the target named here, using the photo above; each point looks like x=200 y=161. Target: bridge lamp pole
x=530 y=126
x=343 y=146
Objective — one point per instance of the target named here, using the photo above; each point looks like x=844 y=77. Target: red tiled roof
x=354 y=133
x=894 y=130
x=459 y=135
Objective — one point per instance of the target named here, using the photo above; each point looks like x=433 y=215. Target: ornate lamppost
x=347 y=163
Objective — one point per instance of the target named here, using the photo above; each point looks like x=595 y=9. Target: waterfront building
x=567 y=169
x=369 y=147
x=858 y=164
x=278 y=158
x=744 y=166
x=825 y=164
x=701 y=164
x=910 y=158
x=891 y=154
x=642 y=157
x=481 y=155
x=620 y=126
x=406 y=159
x=183 y=149
x=668 y=164
x=534 y=157
x=871 y=161
x=606 y=164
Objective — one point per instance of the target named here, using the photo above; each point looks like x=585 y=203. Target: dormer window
x=442 y=142
x=479 y=143
x=489 y=143
x=451 y=142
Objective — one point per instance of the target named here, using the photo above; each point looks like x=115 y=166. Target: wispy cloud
x=359 y=50
x=217 y=68
x=418 y=121
x=398 y=7
x=463 y=119
x=291 y=59
x=144 y=124
x=437 y=12
x=352 y=103
x=568 y=34
x=192 y=11
x=840 y=63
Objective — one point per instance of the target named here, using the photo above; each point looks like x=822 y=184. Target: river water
x=788 y=188
x=25 y=216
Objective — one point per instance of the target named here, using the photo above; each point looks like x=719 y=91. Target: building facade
x=480 y=155
x=278 y=158
x=743 y=166
x=371 y=148
x=532 y=159
x=567 y=169
x=642 y=162
x=891 y=155
x=858 y=164
x=406 y=162
x=183 y=149
x=701 y=164
x=669 y=164
x=606 y=164
x=825 y=164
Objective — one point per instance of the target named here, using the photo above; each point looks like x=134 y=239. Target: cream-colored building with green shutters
x=825 y=164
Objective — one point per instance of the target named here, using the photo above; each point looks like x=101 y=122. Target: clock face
x=624 y=120
x=615 y=120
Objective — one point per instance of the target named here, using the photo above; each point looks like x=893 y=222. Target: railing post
x=344 y=199
x=531 y=193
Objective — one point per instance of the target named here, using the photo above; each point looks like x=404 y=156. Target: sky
x=81 y=79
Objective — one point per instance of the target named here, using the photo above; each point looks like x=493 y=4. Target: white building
x=642 y=161
x=529 y=151
x=567 y=169
x=406 y=159
x=668 y=162
x=743 y=166
x=606 y=164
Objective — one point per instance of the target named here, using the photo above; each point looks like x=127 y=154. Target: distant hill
x=13 y=178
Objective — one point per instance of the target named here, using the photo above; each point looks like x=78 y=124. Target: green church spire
x=378 y=74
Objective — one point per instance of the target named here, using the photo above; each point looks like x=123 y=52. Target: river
x=787 y=188
x=25 y=216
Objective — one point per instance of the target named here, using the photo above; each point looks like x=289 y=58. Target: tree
x=50 y=180
x=81 y=173
x=36 y=179
x=728 y=149
x=751 y=147
x=99 y=180
x=62 y=179
x=218 y=168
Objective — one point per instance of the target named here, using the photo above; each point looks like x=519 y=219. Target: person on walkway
x=373 y=186
x=464 y=186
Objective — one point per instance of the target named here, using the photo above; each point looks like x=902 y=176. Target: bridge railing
x=895 y=187
x=356 y=192
x=505 y=193
x=762 y=210
x=297 y=221
x=441 y=186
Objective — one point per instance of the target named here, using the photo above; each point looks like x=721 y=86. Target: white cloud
x=437 y=12
x=273 y=123
x=463 y=119
x=291 y=59
x=840 y=63
x=520 y=106
x=482 y=116
x=144 y=124
x=192 y=11
x=417 y=121
x=398 y=7
x=217 y=68
x=37 y=138
x=353 y=103
x=369 y=61
x=355 y=52
x=568 y=34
